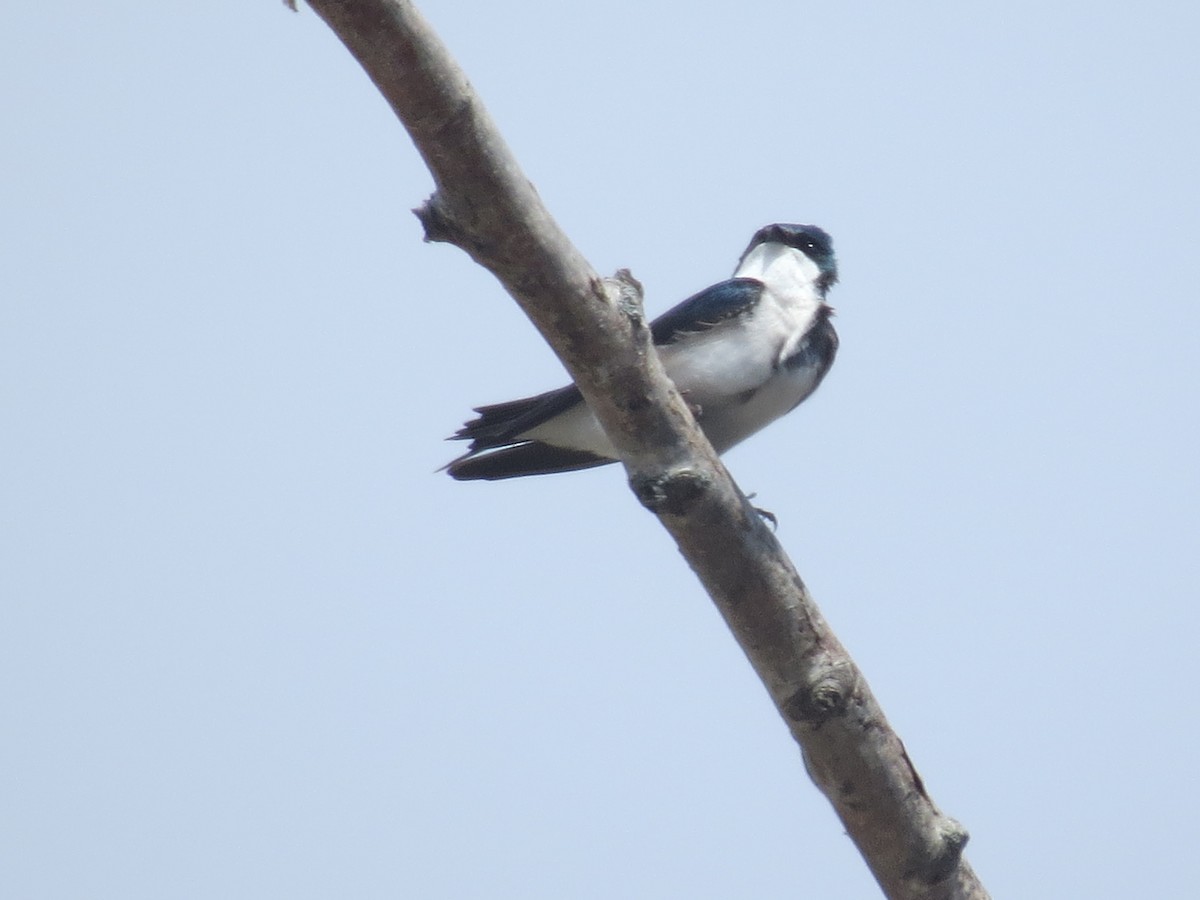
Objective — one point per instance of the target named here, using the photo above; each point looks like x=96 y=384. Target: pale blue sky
x=252 y=646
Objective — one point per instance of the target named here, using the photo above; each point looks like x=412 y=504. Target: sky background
x=253 y=645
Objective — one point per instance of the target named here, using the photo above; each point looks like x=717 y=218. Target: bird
x=742 y=352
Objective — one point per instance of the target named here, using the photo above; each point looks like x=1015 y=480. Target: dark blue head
x=810 y=240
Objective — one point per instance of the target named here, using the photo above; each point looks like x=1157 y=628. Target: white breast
x=742 y=354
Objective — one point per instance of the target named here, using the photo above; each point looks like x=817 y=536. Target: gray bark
x=486 y=206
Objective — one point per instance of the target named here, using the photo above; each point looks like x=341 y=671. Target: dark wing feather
x=707 y=309
x=500 y=423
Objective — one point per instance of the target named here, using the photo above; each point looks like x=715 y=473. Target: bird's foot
x=765 y=513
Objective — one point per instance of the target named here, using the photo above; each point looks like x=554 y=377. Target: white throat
x=782 y=268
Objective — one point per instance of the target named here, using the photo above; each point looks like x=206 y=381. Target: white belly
x=577 y=428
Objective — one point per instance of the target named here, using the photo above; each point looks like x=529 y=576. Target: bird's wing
x=707 y=309
x=501 y=449
x=500 y=423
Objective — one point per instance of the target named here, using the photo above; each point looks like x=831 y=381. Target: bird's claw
x=765 y=514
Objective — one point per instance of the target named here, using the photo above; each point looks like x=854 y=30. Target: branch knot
x=939 y=860
x=674 y=493
x=629 y=297
x=825 y=694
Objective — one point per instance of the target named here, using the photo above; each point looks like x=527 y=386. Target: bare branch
x=486 y=206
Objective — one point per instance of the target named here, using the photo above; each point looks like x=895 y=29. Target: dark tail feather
x=532 y=458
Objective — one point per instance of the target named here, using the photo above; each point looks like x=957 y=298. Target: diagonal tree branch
x=486 y=206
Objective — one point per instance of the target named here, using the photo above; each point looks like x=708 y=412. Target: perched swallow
x=742 y=353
